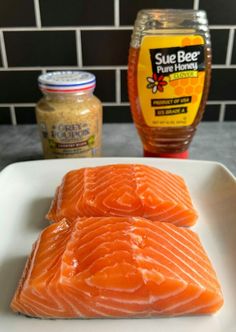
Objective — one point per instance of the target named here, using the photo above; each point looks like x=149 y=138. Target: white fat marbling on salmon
x=123 y=190
x=117 y=267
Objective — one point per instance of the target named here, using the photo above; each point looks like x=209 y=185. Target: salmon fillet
x=117 y=267
x=123 y=190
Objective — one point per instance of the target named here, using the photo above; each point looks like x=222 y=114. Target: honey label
x=171 y=76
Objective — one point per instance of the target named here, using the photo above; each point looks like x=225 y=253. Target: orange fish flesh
x=123 y=190
x=117 y=267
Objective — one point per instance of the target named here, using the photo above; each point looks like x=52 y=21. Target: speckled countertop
x=213 y=141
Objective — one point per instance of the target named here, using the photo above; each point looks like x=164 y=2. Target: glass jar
x=69 y=116
x=169 y=73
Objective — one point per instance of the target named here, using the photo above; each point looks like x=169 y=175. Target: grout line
x=115 y=104
x=222 y=27
x=13 y=115
x=66 y=67
x=215 y=66
x=217 y=102
x=79 y=48
x=118 y=86
x=106 y=67
x=34 y=104
x=17 y=104
x=210 y=102
x=23 y=69
x=213 y=102
x=69 y=28
x=222 y=113
x=3 y=50
x=97 y=27
x=117 y=13
x=223 y=66
x=37 y=13
x=230 y=47
x=196 y=4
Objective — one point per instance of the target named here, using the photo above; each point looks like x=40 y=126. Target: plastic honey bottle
x=168 y=78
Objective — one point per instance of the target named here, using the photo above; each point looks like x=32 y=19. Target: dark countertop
x=213 y=141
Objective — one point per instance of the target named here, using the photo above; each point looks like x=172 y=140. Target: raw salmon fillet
x=123 y=190
x=117 y=267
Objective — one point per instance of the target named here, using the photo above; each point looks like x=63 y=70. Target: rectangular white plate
x=26 y=191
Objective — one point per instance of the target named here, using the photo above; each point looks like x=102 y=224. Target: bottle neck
x=169 y=22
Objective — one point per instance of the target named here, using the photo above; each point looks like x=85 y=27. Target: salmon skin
x=101 y=267
x=123 y=190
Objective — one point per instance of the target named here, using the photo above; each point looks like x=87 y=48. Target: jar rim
x=67 y=82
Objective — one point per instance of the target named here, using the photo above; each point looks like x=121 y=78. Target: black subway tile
x=212 y=113
x=25 y=115
x=1 y=58
x=19 y=86
x=219 y=40
x=222 y=84
x=40 y=48
x=105 y=85
x=124 y=86
x=234 y=51
x=230 y=113
x=219 y=11
x=117 y=114
x=128 y=11
x=105 y=47
x=15 y=13
x=74 y=12
x=5 y=117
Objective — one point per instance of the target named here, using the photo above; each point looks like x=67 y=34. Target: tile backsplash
x=37 y=36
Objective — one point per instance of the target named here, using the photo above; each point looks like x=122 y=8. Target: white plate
x=26 y=191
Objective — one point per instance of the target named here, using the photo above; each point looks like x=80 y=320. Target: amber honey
x=168 y=79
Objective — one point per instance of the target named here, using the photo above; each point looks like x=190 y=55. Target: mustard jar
x=69 y=115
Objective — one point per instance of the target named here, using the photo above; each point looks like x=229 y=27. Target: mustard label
x=171 y=75
x=64 y=140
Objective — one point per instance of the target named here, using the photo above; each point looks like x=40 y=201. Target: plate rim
x=20 y=165
x=170 y=160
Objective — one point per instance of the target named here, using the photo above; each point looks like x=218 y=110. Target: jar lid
x=67 y=81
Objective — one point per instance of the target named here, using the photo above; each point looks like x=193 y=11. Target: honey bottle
x=169 y=73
